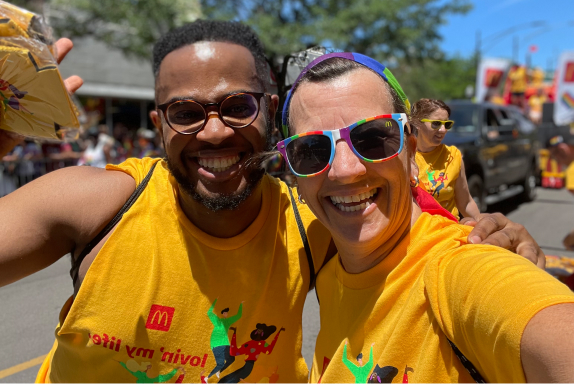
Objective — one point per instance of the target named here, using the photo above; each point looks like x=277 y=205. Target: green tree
x=445 y=78
x=130 y=25
x=388 y=30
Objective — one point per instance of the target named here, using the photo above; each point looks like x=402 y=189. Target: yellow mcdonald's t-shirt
x=165 y=302
x=432 y=286
x=438 y=171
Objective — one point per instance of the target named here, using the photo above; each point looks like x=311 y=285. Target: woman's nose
x=346 y=167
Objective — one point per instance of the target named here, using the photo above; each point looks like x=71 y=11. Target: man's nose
x=215 y=131
x=346 y=167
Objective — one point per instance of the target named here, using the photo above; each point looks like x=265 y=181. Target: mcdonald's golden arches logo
x=160 y=318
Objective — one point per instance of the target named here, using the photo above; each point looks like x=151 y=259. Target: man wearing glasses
x=173 y=235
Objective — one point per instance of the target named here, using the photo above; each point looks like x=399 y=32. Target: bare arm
x=56 y=214
x=463 y=200
x=547 y=346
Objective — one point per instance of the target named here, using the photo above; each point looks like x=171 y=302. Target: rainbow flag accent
x=568 y=99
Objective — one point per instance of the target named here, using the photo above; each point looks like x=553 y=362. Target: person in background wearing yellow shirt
x=518 y=82
x=448 y=310
x=441 y=169
x=535 y=103
x=563 y=151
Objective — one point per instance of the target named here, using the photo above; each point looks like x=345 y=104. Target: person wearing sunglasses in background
x=403 y=279
x=441 y=169
x=156 y=241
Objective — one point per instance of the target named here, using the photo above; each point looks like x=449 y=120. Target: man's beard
x=253 y=174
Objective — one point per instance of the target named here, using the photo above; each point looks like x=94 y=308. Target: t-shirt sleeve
x=318 y=236
x=136 y=168
x=483 y=298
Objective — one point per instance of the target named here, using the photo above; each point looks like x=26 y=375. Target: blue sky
x=492 y=17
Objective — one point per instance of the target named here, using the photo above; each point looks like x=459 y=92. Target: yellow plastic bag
x=34 y=101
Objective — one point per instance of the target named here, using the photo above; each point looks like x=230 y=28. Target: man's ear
x=273 y=105
x=156 y=120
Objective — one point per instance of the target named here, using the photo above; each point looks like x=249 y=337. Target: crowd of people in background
x=96 y=146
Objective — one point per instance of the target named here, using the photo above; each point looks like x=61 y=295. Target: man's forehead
x=206 y=70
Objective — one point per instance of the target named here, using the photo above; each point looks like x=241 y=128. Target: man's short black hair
x=224 y=310
x=359 y=356
x=213 y=30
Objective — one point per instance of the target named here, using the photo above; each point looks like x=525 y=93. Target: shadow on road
x=505 y=206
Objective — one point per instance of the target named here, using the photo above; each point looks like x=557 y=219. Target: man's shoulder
x=137 y=168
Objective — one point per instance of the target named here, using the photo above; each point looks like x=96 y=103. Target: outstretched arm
x=134 y=373
x=166 y=377
x=212 y=316
x=547 y=346
x=462 y=198
x=58 y=213
x=270 y=347
x=346 y=360
x=237 y=316
x=370 y=364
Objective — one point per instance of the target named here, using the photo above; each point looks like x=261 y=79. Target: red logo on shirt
x=159 y=318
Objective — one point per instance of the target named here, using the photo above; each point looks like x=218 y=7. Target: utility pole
x=515 y=49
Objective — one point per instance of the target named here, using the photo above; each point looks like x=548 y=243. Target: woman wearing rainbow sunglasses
x=441 y=170
x=406 y=289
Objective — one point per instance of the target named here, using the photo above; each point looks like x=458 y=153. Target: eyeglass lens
x=237 y=110
x=374 y=140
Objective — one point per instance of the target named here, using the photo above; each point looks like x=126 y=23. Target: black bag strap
x=74 y=272
x=476 y=376
x=305 y=241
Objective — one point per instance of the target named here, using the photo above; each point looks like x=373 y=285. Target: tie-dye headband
x=368 y=62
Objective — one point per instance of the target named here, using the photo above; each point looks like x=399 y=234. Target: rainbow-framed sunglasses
x=374 y=139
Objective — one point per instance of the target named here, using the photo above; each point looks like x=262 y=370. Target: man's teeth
x=339 y=200
x=218 y=164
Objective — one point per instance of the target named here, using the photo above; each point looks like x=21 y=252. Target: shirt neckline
x=223 y=244
x=378 y=274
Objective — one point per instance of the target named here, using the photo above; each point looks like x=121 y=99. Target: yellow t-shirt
x=570 y=177
x=156 y=293
x=518 y=80
x=433 y=286
x=438 y=171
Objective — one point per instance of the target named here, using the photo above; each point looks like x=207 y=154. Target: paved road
x=30 y=307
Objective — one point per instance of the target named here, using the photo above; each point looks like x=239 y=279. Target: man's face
x=225 y=314
x=207 y=72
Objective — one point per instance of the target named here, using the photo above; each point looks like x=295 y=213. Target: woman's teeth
x=361 y=201
x=218 y=164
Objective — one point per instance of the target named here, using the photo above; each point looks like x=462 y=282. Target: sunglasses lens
x=448 y=125
x=377 y=139
x=185 y=116
x=309 y=154
x=239 y=110
x=436 y=124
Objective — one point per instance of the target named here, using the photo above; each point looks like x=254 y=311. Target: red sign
x=493 y=77
x=533 y=48
x=159 y=318
x=569 y=73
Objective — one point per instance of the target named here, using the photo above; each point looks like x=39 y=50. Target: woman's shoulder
x=454 y=151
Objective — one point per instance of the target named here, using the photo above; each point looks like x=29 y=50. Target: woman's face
x=433 y=137
x=385 y=186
